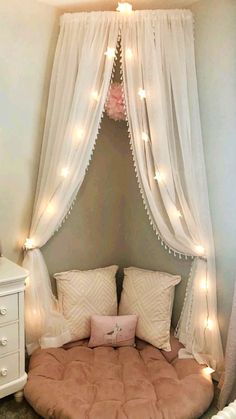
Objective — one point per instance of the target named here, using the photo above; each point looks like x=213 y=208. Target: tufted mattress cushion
x=123 y=383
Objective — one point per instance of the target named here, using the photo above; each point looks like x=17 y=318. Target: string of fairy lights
x=160 y=176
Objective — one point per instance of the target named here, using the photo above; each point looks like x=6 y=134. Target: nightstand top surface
x=10 y=270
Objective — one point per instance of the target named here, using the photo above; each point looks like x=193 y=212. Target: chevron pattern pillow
x=149 y=295
x=82 y=294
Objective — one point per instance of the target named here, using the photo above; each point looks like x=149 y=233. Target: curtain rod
x=158 y=13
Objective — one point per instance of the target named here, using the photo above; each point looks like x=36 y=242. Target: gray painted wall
x=108 y=224
x=215 y=36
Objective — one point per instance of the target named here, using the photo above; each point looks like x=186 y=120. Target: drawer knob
x=3 y=341
x=3 y=311
x=4 y=372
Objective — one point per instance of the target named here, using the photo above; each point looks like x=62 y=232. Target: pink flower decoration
x=115 y=106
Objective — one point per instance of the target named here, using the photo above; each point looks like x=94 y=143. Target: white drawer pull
x=4 y=372
x=3 y=311
x=3 y=341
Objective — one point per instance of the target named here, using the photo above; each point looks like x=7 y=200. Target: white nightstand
x=12 y=342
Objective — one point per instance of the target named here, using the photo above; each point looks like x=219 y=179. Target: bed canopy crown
x=160 y=92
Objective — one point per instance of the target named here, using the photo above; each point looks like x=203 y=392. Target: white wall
x=215 y=34
x=28 y=33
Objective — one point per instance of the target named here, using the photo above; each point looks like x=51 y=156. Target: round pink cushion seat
x=123 y=383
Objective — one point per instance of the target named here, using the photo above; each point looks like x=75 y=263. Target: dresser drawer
x=8 y=308
x=9 y=368
x=9 y=338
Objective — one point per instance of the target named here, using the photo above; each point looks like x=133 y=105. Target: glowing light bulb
x=204 y=285
x=79 y=133
x=209 y=324
x=64 y=172
x=124 y=7
x=142 y=93
x=29 y=244
x=159 y=176
x=145 y=137
x=50 y=209
x=110 y=52
x=129 y=53
x=95 y=95
x=208 y=370
x=178 y=214
x=200 y=249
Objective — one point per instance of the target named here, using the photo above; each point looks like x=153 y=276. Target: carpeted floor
x=211 y=412
x=9 y=409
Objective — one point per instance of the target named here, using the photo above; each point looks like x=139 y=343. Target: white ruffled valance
x=161 y=98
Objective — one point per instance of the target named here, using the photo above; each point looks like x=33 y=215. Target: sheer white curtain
x=163 y=116
x=162 y=109
x=79 y=85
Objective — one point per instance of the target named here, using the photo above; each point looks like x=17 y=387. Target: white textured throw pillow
x=150 y=295
x=84 y=293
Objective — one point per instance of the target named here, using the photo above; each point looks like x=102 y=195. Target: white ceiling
x=86 y=5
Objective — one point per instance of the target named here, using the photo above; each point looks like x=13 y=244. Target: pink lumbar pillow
x=112 y=330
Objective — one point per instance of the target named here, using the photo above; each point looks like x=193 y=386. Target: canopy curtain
x=79 y=85
x=163 y=117
x=160 y=91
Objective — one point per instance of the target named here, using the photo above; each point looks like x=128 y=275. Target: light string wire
x=189 y=287
x=75 y=195
x=138 y=176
